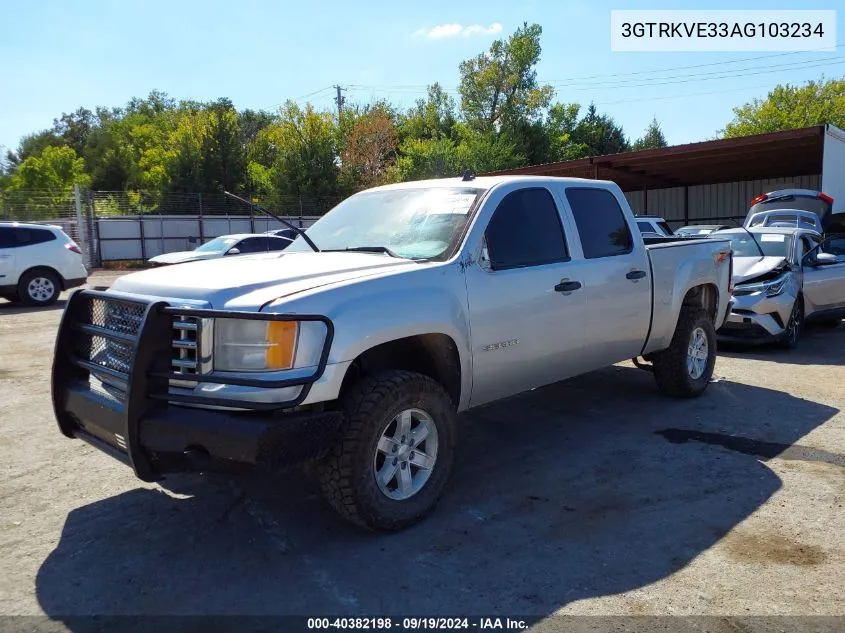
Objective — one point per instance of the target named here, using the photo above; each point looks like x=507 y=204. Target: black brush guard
x=143 y=426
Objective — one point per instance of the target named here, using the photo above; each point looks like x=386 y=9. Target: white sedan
x=239 y=244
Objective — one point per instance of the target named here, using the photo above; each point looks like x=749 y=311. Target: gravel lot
x=592 y=496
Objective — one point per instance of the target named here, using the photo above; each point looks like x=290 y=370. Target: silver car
x=782 y=277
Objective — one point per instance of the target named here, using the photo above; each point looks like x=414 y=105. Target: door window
x=525 y=230
x=278 y=243
x=252 y=245
x=600 y=221
x=15 y=237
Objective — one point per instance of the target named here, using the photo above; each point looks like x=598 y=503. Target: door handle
x=567 y=286
x=635 y=274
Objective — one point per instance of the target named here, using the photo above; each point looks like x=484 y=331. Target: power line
x=687 y=94
x=706 y=77
x=661 y=70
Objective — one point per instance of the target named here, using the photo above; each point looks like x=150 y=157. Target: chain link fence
x=137 y=225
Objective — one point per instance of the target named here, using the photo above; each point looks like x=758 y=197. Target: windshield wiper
x=756 y=243
x=296 y=229
x=365 y=249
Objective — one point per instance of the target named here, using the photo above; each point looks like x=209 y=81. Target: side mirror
x=233 y=251
x=824 y=259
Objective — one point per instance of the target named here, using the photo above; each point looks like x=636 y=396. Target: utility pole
x=340 y=100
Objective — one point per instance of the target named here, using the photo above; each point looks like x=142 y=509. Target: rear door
x=526 y=299
x=617 y=277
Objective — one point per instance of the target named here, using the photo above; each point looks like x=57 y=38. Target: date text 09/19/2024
x=416 y=623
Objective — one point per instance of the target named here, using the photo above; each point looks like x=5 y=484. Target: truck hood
x=748 y=268
x=181 y=257
x=251 y=281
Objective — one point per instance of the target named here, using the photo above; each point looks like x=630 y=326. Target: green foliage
x=499 y=88
x=296 y=155
x=485 y=151
x=430 y=118
x=560 y=127
x=422 y=158
x=600 y=134
x=652 y=138
x=55 y=170
x=789 y=107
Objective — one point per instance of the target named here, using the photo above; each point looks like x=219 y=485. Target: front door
x=526 y=300
x=824 y=286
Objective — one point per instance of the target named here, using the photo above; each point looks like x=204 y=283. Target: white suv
x=37 y=262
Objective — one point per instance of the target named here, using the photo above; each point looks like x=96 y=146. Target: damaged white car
x=782 y=277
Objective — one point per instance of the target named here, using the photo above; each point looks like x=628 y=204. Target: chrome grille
x=186 y=340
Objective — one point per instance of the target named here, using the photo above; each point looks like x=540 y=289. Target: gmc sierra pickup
x=356 y=347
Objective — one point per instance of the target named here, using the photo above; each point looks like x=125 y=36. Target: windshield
x=217 y=245
x=414 y=223
x=772 y=244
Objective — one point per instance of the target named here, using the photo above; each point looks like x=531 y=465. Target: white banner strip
x=711 y=31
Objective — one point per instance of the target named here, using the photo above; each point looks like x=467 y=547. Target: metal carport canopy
x=773 y=155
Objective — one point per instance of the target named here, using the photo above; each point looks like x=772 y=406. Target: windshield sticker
x=452 y=204
x=773 y=237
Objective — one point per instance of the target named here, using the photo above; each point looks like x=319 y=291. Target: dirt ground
x=593 y=496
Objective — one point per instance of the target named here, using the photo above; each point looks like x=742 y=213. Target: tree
x=223 y=156
x=560 y=125
x=485 y=151
x=430 y=118
x=250 y=123
x=296 y=155
x=369 y=147
x=74 y=128
x=499 y=88
x=32 y=145
x=788 y=107
x=44 y=182
x=600 y=134
x=652 y=138
x=422 y=158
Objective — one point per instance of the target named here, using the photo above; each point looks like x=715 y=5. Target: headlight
x=255 y=345
x=772 y=288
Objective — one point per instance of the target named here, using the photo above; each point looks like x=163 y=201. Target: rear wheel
x=684 y=369
x=395 y=454
x=40 y=287
x=794 y=326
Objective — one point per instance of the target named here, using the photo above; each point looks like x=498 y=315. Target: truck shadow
x=586 y=488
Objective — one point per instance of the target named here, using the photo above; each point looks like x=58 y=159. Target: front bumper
x=756 y=318
x=145 y=427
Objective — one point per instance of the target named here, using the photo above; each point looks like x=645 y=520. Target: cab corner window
x=600 y=221
x=525 y=230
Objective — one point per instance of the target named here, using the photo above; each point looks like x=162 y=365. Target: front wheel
x=794 y=327
x=395 y=453
x=684 y=369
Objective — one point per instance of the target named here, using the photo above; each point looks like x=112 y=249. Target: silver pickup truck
x=356 y=347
